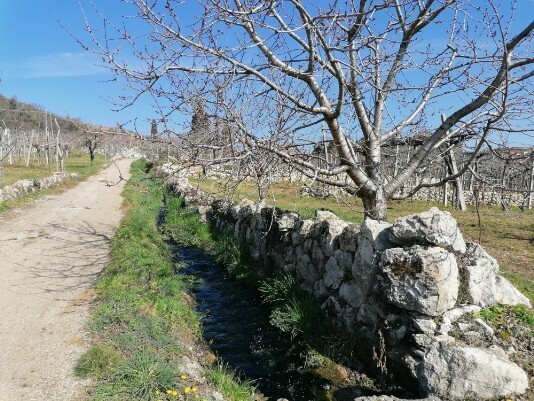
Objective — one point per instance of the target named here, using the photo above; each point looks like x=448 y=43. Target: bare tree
x=366 y=71
x=91 y=142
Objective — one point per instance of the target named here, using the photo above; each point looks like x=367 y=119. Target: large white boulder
x=373 y=239
x=428 y=228
x=420 y=279
x=454 y=372
x=484 y=286
x=507 y=294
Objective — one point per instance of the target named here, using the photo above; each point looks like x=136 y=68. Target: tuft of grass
x=142 y=374
x=494 y=313
x=295 y=311
x=231 y=385
x=501 y=315
x=97 y=360
x=524 y=315
x=233 y=254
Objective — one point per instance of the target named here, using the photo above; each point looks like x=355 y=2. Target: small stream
x=236 y=324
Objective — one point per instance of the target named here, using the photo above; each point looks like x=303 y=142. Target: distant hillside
x=19 y=115
x=15 y=114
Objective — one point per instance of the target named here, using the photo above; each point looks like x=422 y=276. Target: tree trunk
x=531 y=188
x=261 y=192
x=30 y=145
x=375 y=205
x=92 y=155
x=460 y=204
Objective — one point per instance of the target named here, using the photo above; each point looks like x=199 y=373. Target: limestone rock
x=372 y=240
x=454 y=372
x=484 y=286
x=339 y=315
x=425 y=325
x=302 y=231
x=344 y=259
x=234 y=211
x=428 y=228
x=322 y=215
x=507 y=294
x=480 y=269
x=348 y=239
x=287 y=221
x=333 y=276
x=421 y=279
x=330 y=231
x=352 y=293
x=203 y=211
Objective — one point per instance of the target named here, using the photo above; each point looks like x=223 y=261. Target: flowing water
x=236 y=324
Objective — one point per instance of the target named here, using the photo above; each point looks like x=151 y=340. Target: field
x=507 y=235
x=79 y=164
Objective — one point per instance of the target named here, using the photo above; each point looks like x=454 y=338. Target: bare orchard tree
x=366 y=71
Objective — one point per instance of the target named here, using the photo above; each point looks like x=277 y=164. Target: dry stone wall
x=24 y=187
x=395 y=289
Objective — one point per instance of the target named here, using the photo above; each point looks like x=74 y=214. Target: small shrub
x=234 y=256
x=279 y=289
x=492 y=314
x=524 y=315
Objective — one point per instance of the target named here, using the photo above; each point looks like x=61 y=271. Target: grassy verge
x=144 y=323
x=183 y=226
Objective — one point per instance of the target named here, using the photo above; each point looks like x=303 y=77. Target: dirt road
x=50 y=255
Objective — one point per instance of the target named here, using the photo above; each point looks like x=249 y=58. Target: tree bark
x=375 y=204
x=531 y=188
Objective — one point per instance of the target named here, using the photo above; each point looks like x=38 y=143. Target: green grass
x=183 y=226
x=233 y=387
x=498 y=315
x=144 y=322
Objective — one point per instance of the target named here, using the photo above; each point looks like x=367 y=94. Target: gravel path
x=50 y=255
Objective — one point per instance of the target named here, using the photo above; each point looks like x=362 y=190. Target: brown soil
x=51 y=253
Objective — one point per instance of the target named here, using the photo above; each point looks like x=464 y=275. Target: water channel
x=236 y=324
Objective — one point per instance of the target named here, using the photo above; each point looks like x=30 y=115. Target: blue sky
x=41 y=64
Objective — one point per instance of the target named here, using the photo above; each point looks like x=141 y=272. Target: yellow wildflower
x=157 y=392
x=175 y=393
x=187 y=390
x=169 y=391
x=194 y=389
x=183 y=377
